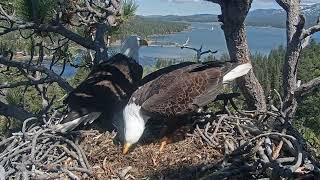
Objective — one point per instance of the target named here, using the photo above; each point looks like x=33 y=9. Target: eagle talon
x=163 y=143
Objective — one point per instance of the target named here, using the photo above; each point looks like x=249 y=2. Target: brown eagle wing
x=156 y=86
x=181 y=93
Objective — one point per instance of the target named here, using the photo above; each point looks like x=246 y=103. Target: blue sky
x=187 y=7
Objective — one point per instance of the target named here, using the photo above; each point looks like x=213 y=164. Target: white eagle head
x=134 y=125
x=130 y=46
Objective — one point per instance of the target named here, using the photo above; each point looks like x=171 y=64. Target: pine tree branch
x=7 y=85
x=59 y=29
x=51 y=74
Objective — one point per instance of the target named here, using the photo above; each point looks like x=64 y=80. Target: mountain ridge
x=257 y=17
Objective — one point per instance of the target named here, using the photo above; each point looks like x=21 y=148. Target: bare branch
x=198 y=51
x=307 y=87
x=208 y=51
x=6 y=15
x=311 y=30
x=24 y=83
x=305 y=42
x=52 y=75
x=284 y=4
x=92 y=10
x=14 y=111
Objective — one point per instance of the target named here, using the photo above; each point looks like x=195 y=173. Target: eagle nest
x=247 y=145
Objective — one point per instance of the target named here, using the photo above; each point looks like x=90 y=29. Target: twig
x=240 y=129
x=24 y=125
x=218 y=125
x=276 y=152
x=124 y=172
x=203 y=136
x=71 y=175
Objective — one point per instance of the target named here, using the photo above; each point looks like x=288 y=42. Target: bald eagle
x=107 y=88
x=178 y=93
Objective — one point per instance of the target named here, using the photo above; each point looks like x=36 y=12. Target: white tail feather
x=238 y=71
x=71 y=125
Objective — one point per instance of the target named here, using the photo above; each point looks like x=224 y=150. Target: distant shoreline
x=117 y=43
x=216 y=23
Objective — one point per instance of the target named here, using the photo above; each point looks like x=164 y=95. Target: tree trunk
x=294 y=25
x=102 y=49
x=233 y=15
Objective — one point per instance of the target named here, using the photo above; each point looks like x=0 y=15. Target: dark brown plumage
x=163 y=71
x=183 y=90
x=104 y=92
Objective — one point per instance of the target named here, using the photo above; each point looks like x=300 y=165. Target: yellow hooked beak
x=126 y=148
x=143 y=42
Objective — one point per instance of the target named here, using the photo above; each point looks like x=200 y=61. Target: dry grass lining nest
x=185 y=159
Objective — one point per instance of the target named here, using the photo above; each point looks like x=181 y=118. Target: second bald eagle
x=106 y=90
x=177 y=93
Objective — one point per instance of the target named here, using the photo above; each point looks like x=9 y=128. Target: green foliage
x=129 y=9
x=35 y=10
x=208 y=58
x=13 y=42
x=268 y=69
x=14 y=96
x=165 y=62
x=148 y=69
x=160 y=63
x=3 y=125
x=81 y=74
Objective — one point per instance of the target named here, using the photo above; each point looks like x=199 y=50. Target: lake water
x=260 y=39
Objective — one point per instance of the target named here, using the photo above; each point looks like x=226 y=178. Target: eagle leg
x=164 y=141
x=169 y=132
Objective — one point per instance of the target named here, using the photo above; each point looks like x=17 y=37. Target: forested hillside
x=190 y=18
x=146 y=26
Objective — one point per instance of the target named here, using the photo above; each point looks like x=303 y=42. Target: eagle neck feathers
x=134 y=123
